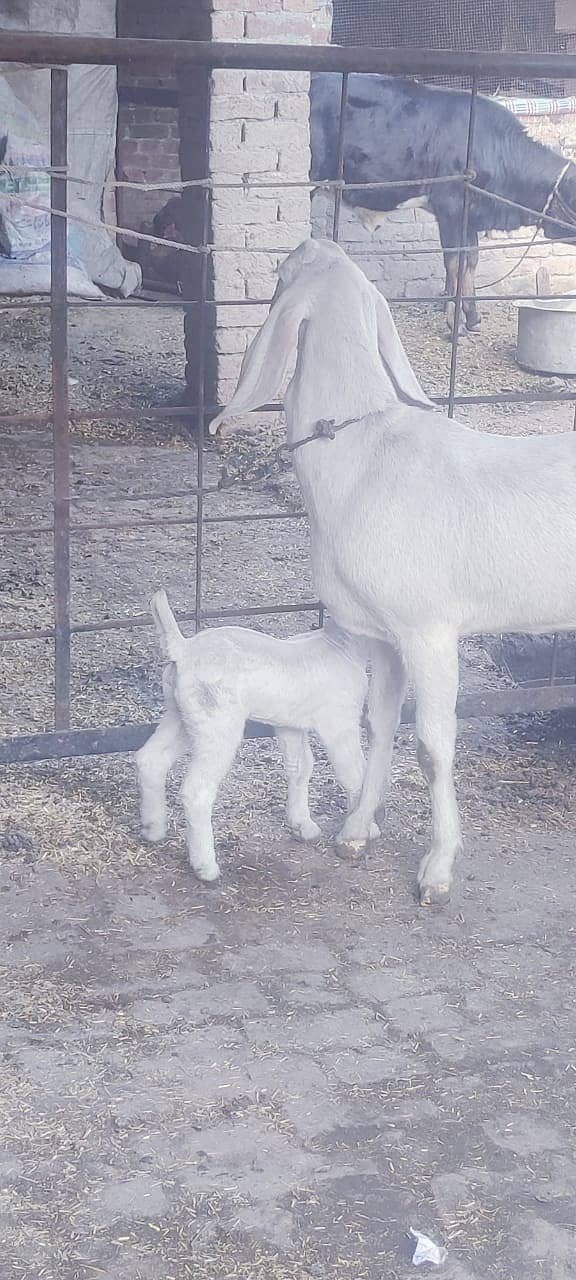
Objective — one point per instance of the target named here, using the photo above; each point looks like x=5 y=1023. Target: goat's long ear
x=395 y=360
x=269 y=355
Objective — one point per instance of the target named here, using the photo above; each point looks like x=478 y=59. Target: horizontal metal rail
x=45 y=49
x=144 y=620
x=123 y=738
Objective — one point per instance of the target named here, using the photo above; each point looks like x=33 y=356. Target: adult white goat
x=422 y=530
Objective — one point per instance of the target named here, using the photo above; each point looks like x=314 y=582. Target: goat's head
x=302 y=278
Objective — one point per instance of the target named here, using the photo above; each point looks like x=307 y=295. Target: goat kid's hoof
x=208 y=874
x=307 y=831
x=152 y=833
x=434 y=895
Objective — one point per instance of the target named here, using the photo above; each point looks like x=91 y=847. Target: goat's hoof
x=350 y=848
x=307 y=831
x=208 y=873
x=434 y=895
x=153 y=832
x=374 y=832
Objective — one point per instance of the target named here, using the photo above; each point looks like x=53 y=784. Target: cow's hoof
x=473 y=325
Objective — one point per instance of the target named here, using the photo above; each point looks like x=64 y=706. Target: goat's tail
x=169 y=633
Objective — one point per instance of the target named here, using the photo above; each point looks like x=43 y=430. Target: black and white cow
x=398 y=129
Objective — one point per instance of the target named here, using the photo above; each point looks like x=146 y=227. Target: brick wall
x=415 y=275
x=148 y=132
x=258 y=133
x=147 y=151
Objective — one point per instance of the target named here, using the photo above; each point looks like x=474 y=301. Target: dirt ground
x=275 y=1078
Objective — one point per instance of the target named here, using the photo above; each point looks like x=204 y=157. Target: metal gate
x=62 y=51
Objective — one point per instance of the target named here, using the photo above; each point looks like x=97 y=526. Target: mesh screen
x=517 y=26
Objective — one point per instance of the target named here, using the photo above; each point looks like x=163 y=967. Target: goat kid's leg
x=343 y=746
x=433 y=664
x=153 y=763
x=298 y=766
x=385 y=697
x=215 y=745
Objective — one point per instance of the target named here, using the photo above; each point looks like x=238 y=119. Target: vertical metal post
x=340 y=157
x=201 y=384
x=60 y=408
x=462 y=250
x=338 y=203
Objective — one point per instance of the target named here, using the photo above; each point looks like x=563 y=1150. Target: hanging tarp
x=94 y=258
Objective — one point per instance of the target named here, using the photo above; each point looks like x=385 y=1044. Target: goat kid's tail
x=169 y=633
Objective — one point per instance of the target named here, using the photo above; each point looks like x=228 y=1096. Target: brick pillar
x=259 y=132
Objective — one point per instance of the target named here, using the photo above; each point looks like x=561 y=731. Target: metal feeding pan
x=547 y=335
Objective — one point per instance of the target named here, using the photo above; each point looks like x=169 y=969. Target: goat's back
x=285 y=682
x=464 y=527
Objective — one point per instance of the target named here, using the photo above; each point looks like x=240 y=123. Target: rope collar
x=323 y=429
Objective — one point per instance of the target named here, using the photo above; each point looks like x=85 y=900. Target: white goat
x=422 y=530
x=214 y=682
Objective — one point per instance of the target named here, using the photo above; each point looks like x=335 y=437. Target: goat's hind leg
x=216 y=741
x=298 y=765
x=153 y=762
x=433 y=664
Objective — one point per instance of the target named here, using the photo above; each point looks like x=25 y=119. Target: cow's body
x=399 y=129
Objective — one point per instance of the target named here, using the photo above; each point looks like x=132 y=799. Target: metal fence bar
x=12 y=47
x=144 y=620
x=106 y=739
x=201 y=408
x=65 y=50
x=462 y=257
x=60 y=419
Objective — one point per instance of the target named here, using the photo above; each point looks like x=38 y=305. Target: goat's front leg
x=433 y=666
x=153 y=763
x=215 y=744
x=298 y=764
x=385 y=698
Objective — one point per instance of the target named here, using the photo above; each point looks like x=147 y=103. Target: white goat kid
x=218 y=679
x=422 y=530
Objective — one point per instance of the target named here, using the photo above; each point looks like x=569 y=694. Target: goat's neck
x=338 y=375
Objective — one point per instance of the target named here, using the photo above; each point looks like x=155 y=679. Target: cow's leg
x=449 y=228
x=470 y=309
x=451 y=267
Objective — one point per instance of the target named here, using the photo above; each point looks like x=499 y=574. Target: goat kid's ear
x=395 y=360
x=268 y=358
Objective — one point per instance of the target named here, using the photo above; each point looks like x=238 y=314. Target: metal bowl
x=547 y=336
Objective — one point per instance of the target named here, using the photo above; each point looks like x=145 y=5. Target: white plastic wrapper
x=426 y=1250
